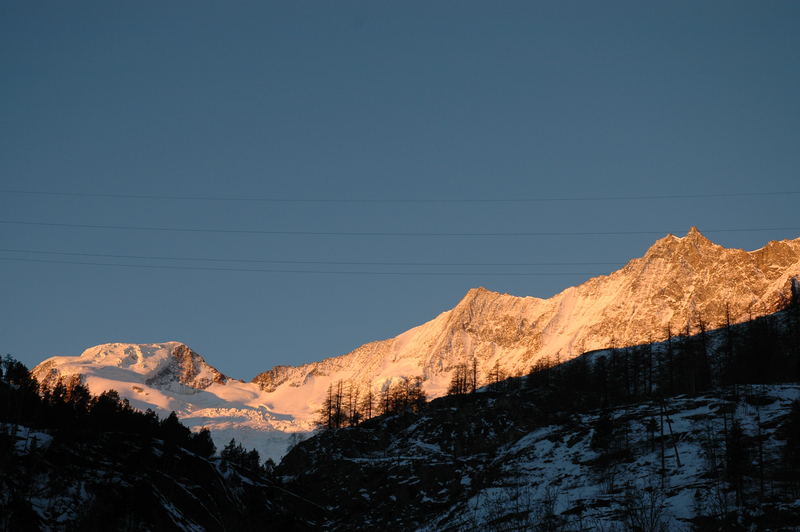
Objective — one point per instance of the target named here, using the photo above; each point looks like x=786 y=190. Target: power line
x=375 y=233
x=318 y=272
x=319 y=262
x=394 y=200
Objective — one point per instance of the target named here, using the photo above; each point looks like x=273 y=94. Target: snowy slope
x=554 y=462
x=521 y=474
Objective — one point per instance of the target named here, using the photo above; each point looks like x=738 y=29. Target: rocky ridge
x=680 y=282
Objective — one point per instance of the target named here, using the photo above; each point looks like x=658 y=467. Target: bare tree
x=459 y=382
x=368 y=403
x=332 y=415
x=643 y=510
x=473 y=384
x=496 y=375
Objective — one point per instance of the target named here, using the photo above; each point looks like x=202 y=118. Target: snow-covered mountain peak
x=170 y=376
x=693 y=244
x=160 y=365
x=696 y=238
x=142 y=358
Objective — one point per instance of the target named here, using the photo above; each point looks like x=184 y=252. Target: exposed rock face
x=188 y=368
x=679 y=282
x=271 y=379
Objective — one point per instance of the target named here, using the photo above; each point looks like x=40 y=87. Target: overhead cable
x=279 y=232
x=277 y=199
x=312 y=272
x=324 y=262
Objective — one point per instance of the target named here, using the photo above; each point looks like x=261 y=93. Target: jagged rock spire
x=696 y=237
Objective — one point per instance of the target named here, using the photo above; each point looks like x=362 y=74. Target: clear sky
x=369 y=101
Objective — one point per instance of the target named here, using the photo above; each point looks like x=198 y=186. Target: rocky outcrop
x=188 y=368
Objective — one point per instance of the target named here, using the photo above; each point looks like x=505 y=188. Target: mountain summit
x=166 y=366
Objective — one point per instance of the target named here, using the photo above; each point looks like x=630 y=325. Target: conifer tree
x=202 y=444
x=496 y=376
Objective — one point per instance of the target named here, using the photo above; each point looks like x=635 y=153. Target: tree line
x=691 y=359
x=347 y=405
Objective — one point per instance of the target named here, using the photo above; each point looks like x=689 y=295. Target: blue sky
x=370 y=101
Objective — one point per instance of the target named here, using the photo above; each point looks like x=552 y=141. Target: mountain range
x=680 y=285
